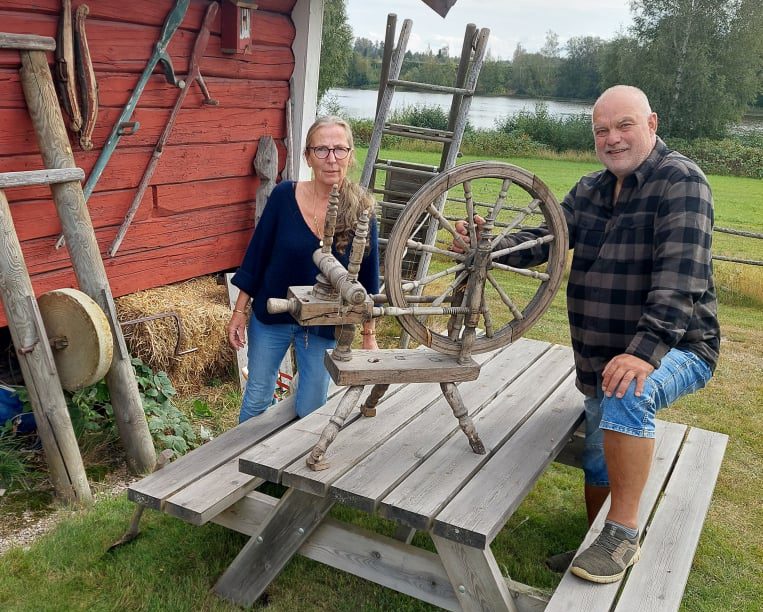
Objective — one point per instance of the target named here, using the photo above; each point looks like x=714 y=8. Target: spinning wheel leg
x=315 y=459
x=450 y=391
x=368 y=409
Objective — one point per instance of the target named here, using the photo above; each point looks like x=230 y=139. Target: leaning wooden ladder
x=64 y=178
x=403 y=179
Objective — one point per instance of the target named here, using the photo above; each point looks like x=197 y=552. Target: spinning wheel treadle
x=511 y=200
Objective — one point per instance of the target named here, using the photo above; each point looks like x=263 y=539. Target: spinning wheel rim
x=410 y=218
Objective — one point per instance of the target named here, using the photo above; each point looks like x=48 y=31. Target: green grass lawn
x=173 y=565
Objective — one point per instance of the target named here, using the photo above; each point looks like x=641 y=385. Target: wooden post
x=266 y=168
x=54 y=426
x=40 y=95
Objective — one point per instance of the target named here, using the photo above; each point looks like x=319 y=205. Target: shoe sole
x=581 y=573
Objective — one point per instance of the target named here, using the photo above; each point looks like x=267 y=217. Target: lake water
x=361 y=104
x=484 y=111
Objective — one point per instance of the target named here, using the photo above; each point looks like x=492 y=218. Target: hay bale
x=203 y=308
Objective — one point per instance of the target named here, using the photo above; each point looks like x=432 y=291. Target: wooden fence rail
x=745 y=234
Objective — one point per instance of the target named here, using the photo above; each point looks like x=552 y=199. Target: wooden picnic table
x=411 y=464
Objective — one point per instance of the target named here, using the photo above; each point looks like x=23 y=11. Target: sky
x=511 y=22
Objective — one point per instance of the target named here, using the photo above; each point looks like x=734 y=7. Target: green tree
x=579 y=74
x=336 y=46
x=698 y=60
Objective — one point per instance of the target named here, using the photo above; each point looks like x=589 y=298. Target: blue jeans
x=680 y=372
x=267 y=346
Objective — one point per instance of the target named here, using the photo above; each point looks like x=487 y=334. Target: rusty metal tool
x=65 y=77
x=123 y=125
x=194 y=74
x=88 y=87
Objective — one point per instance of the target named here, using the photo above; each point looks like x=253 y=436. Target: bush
x=569 y=133
x=500 y=144
x=736 y=156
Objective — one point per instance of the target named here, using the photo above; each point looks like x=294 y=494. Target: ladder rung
x=417 y=135
x=27 y=42
x=388 y=167
x=394 y=205
x=395 y=193
x=40 y=177
x=414 y=131
x=430 y=87
x=418 y=129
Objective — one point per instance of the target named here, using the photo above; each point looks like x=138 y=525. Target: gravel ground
x=23 y=530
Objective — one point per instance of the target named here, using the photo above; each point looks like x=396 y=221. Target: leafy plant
x=169 y=427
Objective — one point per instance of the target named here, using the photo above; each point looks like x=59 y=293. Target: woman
x=280 y=255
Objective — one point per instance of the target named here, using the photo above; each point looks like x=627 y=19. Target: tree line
x=699 y=61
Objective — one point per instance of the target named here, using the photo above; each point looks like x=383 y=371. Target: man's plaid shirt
x=641 y=280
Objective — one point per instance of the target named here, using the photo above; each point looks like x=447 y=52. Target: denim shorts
x=680 y=372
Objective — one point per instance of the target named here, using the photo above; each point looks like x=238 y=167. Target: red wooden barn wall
x=197 y=216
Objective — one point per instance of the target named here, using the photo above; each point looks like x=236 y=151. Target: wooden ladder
x=64 y=178
x=403 y=179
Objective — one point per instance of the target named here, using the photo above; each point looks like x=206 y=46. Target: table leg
x=475 y=576
x=263 y=557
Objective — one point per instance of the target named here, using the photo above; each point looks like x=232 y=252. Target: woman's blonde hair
x=353 y=199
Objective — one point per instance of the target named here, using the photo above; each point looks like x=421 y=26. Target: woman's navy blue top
x=280 y=255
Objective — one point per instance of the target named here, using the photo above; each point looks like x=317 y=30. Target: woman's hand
x=236 y=329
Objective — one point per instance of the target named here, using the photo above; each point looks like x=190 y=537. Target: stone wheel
x=80 y=335
x=420 y=270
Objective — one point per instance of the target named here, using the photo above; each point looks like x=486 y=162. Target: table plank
x=152 y=490
x=658 y=580
x=365 y=435
x=482 y=507
x=272 y=456
x=381 y=470
x=425 y=492
x=205 y=498
x=574 y=593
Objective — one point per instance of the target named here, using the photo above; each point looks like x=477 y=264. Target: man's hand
x=462 y=229
x=620 y=372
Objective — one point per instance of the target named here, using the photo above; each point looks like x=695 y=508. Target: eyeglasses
x=323 y=152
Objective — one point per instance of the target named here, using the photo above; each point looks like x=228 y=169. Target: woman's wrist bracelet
x=368 y=333
x=243 y=312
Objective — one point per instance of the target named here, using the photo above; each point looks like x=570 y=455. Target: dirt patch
x=21 y=530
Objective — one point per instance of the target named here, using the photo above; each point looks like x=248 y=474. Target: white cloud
x=511 y=22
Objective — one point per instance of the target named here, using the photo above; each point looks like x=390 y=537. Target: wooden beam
x=27 y=42
x=40 y=95
x=40 y=177
x=67 y=471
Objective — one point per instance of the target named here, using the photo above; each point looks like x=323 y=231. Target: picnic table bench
x=413 y=465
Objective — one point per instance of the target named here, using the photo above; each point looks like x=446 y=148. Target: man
x=641 y=305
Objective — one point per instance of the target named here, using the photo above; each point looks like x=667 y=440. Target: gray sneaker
x=608 y=557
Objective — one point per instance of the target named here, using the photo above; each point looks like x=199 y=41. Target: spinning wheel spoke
x=523 y=272
x=528 y=210
x=505 y=298
x=523 y=246
x=487 y=317
x=509 y=295
x=422 y=282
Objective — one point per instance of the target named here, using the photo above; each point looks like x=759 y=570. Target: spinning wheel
x=518 y=208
